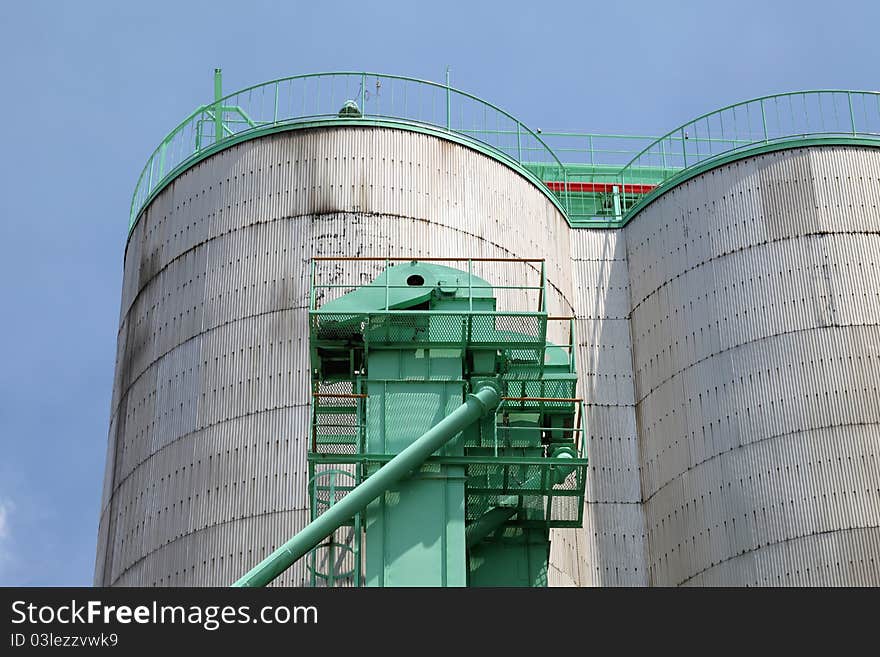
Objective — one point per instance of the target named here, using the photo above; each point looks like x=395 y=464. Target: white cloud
x=5 y=508
x=7 y=556
x=5 y=552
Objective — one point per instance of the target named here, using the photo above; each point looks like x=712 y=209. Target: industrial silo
x=722 y=278
x=206 y=469
x=755 y=319
x=756 y=328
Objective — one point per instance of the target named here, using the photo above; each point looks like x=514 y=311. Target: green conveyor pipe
x=475 y=406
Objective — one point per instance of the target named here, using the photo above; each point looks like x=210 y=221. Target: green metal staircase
x=445 y=437
x=422 y=325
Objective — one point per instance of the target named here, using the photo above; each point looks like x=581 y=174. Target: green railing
x=627 y=164
x=332 y=277
x=586 y=148
x=753 y=124
x=336 y=97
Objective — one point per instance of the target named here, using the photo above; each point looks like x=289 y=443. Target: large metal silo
x=724 y=284
x=206 y=468
x=755 y=318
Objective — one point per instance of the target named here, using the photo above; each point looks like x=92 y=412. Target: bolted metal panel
x=789 y=383
x=749 y=202
x=252 y=365
x=830 y=488
x=755 y=322
x=840 y=558
x=246 y=467
x=565 y=559
x=852 y=173
x=614 y=535
x=611 y=548
x=206 y=470
x=605 y=361
x=216 y=555
x=250 y=272
x=614 y=449
x=786 y=286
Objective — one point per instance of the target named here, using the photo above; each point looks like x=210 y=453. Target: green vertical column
x=763 y=121
x=415 y=533
x=852 y=115
x=448 y=102
x=363 y=94
x=218 y=112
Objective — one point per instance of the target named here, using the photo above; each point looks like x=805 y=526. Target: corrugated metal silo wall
x=755 y=292
x=611 y=549
x=206 y=464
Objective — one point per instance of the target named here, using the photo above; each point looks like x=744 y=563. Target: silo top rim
x=595 y=180
x=338 y=98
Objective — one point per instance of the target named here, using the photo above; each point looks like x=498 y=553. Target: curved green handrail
x=318 y=98
x=785 y=117
x=315 y=99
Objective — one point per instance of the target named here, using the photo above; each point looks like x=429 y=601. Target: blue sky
x=91 y=87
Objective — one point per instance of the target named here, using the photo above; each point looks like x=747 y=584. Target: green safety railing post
x=331 y=553
x=314 y=410
x=470 y=285
x=448 y=102
x=469 y=325
x=363 y=94
x=275 y=112
x=313 y=495
x=542 y=302
x=567 y=195
x=362 y=412
x=518 y=143
x=357 y=538
x=152 y=166
x=495 y=440
x=387 y=262
x=763 y=121
x=162 y=158
x=683 y=149
x=313 y=286
x=218 y=113
x=852 y=116
x=198 y=136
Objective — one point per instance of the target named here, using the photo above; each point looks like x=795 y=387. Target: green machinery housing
x=446 y=437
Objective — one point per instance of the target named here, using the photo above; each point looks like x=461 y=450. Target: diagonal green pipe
x=478 y=404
